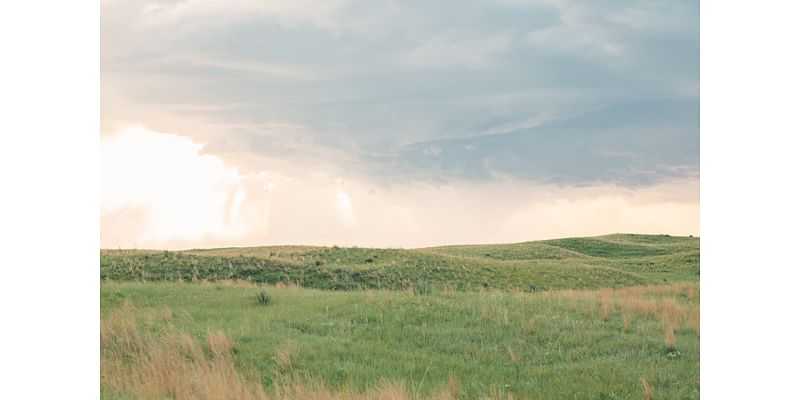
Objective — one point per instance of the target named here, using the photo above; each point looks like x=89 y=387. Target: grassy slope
x=563 y=347
x=605 y=261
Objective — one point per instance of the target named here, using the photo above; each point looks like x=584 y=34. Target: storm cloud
x=396 y=123
x=565 y=92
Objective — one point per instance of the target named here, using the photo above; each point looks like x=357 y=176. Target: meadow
x=613 y=317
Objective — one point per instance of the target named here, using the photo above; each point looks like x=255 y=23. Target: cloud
x=360 y=87
x=162 y=186
x=619 y=150
x=160 y=191
x=328 y=121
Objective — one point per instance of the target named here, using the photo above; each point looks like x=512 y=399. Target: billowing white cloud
x=163 y=183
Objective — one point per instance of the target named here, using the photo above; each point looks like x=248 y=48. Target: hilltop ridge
x=583 y=262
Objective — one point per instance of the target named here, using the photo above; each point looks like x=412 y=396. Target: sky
x=397 y=123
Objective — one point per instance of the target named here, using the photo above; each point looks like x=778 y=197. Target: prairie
x=567 y=319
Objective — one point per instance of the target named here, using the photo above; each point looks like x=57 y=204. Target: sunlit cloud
x=346 y=208
x=160 y=190
x=178 y=192
x=403 y=124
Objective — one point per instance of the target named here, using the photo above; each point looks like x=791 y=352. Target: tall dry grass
x=669 y=337
x=512 y=354
x=285 y=355
x=453 y=386
x=674 y=305
x=143 y=356
x=647 y=391
x=448 y=289
x=234 y=283
x=288 y=285
x=140 y=361
x=385 y=390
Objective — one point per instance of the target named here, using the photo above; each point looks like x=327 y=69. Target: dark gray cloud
x=630 y=144
x=566 y=92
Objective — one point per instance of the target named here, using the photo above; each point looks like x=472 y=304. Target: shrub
x=264 y=298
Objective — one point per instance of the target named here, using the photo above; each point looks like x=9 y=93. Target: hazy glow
x=346 y=208
x=162 y=183
x=160 y=191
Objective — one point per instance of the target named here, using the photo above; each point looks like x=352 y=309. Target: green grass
x=605 y=261
x=357 y=338
x=490 y=315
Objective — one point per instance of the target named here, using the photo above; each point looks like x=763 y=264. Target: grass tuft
x=669 y=338
x=453 y=386
x=264 y=298
x=285 y=355
x=647 y=391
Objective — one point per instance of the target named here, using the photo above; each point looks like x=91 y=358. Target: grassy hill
x=579 y=263
x=447 y=323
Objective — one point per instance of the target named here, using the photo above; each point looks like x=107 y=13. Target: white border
x=49 y=158
x=49 y=212
x=749 y=199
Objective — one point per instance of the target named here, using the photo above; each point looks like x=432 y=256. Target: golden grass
x=145 y=357
x=647 y=391
x=288 y=285
x=241 y=283
x=669 y=337
x=385 y=390
x=605 y=308
x=285 y=355
x=448 y=289
x=137 y=362
x=671 y=304
x=512 y=354
x=453 y=386
x=695 y=320
x=219 y=344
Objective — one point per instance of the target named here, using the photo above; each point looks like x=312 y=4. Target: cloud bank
x=431 y=110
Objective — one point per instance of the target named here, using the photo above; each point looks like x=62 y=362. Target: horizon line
x=404 y=248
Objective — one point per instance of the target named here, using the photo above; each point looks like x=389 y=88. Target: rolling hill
x=617 y=260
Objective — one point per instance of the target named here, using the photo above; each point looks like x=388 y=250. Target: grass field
x=578 y=263
x=584 y=318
